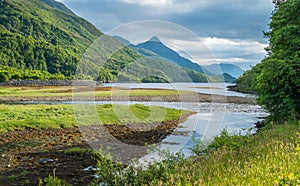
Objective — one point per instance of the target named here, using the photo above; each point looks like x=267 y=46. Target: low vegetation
x=67 y=91
x=270 y=157
x=18 y=117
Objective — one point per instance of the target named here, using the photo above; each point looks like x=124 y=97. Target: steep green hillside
x=36 y=36
x=57 y=5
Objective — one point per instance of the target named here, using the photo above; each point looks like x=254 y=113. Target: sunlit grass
x=14 y=117
x=68 y=92
x=270 y=157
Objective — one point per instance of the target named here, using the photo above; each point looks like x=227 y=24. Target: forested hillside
x=43 y=39
x=33 y=38
x=277 y=79
x=47 y=37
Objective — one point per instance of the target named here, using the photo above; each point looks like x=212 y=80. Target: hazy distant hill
x=245 y=65
x=222 y=68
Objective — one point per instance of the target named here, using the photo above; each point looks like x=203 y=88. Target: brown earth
x=29 y=155
x=192 y=97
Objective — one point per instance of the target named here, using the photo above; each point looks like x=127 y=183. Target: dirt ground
x=192 y=97
x=30 y=155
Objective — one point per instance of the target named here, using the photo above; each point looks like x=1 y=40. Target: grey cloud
x=231 y=19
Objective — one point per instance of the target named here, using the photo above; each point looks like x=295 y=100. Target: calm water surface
x=207 y=88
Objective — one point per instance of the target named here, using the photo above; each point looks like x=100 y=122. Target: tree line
x=276 y=79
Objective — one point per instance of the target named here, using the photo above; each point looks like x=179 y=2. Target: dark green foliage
x=4 y=76
x=278 y=84
x=246 y=83
x=277 y=78
x=52 y=181
x=196 y=76
x=154 y=79
x=224 y=140
x=35 y=36
x=49 y=37
x=105 y=76
x=228 y=78
x=115 y=173
x=279 y=88
x=10 y=73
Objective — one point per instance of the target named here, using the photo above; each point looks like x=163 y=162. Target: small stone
x=45 y=160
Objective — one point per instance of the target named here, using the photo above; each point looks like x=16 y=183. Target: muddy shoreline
x=29 y=155
x=193 y=97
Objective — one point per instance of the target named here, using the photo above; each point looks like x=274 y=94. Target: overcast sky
x=232 y=29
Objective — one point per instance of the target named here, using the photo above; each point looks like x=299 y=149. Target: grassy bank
x=271 y=157
x=67 y=91
x=14 y=117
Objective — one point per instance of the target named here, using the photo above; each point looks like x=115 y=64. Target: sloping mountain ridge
x=172 y=69
x=157 y=47
x=58 y=5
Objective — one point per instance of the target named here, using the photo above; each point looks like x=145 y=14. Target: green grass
x=77 y=150
x=271 y=157
x=14 y=117
x=67 y=92
x=52 y=181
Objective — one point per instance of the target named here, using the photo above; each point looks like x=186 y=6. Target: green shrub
x=53 y=181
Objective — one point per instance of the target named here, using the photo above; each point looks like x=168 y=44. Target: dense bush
x=11 y=73
x=276 y=79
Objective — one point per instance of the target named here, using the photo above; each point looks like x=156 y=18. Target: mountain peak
x=155 y=39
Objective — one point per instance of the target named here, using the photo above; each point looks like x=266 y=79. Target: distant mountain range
x=159 y=49
x=233 y=70
x=156 y=49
